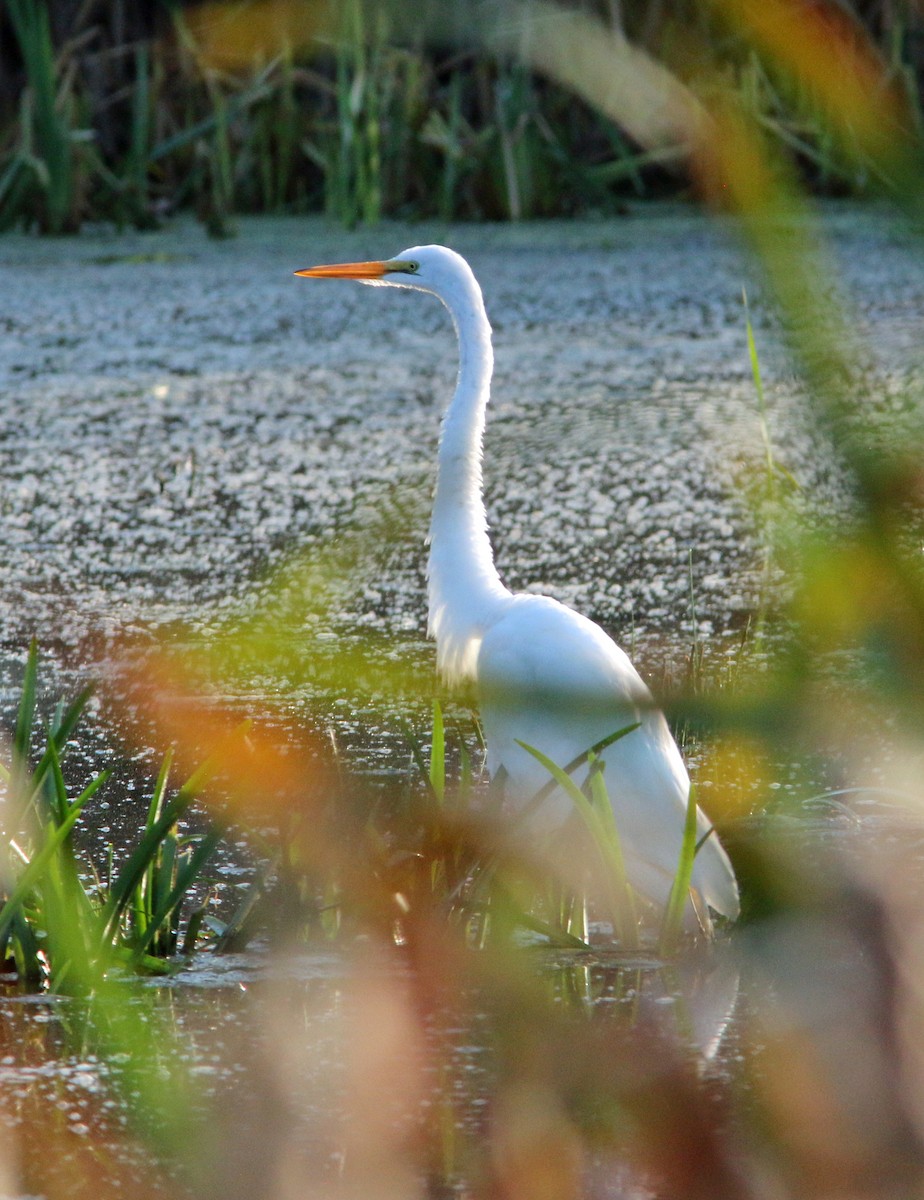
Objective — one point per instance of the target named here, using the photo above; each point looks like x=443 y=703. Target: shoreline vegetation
x=129 y=113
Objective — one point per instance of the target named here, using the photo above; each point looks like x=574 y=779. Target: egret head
x=435 y=269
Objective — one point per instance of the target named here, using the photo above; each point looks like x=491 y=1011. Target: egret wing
x=551 y=678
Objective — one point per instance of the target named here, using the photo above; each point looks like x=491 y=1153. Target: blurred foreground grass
x=593 y=1085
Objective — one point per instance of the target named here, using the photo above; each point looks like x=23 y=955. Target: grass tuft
x=53 y=908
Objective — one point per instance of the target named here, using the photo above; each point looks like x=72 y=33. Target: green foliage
x=495 y=894
x=354 y=171
x=55 y=914
x=363 y=121
x=597 y=815
x=437 y=772
x=42 y=167
x=680 y=889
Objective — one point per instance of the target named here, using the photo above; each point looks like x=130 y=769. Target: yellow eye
x=405 y=266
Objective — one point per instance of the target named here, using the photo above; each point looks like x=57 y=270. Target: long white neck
x=464 y=588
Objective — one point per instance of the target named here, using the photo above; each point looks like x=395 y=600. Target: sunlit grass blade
x=164 y=868
x=437 y=771
x=761 y=399
x=133 y=870
x=507 y=915
x=535 y=802
x=57 y=792
x=40 y=862
x=28 y=786
x=138 y=861
x=680 y=889
x=25 y=715
x=606 y=841
x=187 y=874
x=623 y=898
x=142 y=899
x=63 y=908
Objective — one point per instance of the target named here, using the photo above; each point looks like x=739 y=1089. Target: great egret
x=543 y=674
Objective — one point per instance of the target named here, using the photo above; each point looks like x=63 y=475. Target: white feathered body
x=551 y=678
x=544 y=674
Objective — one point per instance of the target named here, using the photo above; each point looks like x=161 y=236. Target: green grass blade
x=65 y=724
x=128 y=878
x=535 y=802
x=186 y=877
x=193 y=929
x=680 y=889
x=561 y=778
x=623 y=903
x=32 y=26
x=25 y=948
x=437 y=772
x=761 y=399
x=40 y=863
x=417 y=754
x=164 y=870
x=57 y=792
x=61 y=730
x=143 y=898
x=235 y=107
x=160 y=787
x=505 y=912
x=466 y=776
x=25 y=715
x=608 y=847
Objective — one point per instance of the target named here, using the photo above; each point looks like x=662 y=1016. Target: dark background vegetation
x=130 y=111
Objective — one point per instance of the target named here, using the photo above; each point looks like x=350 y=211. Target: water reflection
x=694 y=998
x=361 y=1068
x=787 y=1051
x=315 y=1068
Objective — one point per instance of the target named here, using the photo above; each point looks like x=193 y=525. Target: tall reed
x=361 y=117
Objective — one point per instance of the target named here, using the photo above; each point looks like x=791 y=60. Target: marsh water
x=180 y=414
x=182 y=417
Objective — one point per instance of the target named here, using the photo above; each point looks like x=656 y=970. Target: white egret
x=543 y=674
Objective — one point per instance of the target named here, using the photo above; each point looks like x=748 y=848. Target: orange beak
x=360 y=270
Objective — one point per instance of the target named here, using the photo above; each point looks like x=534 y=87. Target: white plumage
x=543 y=674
